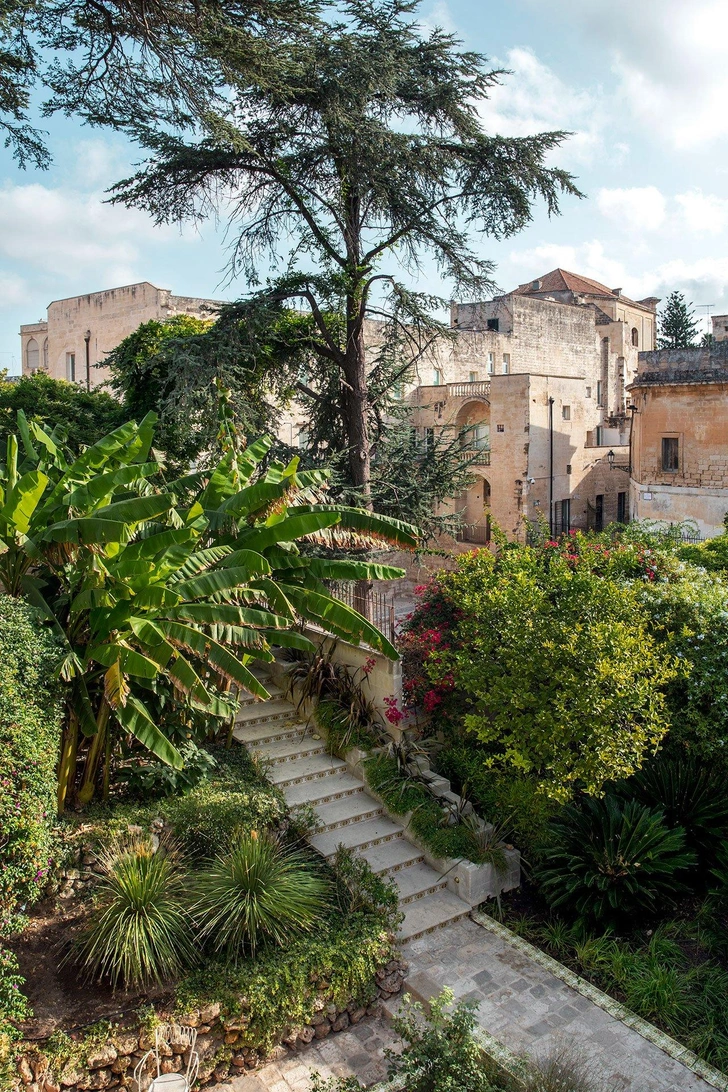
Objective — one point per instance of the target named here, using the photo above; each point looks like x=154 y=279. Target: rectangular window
x=566 y=413
x=670 y=454
x=568 y=468
x=622 y=508
x=473 y=377
x=490 y=363
x=506 y=363
x=437 y=378
x=492 y=324
x=303 y=438
x=429 y=439
x=587 y=392
x=500 y=428
x=599 y=512
x=599 y=435
x=71 y=367
x=565 y=515
x=599 y=392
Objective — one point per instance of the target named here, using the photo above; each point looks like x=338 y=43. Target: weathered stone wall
x=110 y=316
x=109 y=1063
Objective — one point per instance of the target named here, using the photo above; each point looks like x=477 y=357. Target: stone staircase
x=299 y=765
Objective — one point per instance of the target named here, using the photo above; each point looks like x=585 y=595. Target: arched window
x=635 y=337
x=45 y=354
x=32 y=355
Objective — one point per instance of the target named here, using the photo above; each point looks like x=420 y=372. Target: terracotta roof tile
x=560 y=280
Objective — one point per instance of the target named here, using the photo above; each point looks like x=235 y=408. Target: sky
x=642 y=86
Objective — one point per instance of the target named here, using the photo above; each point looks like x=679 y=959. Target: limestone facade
x=680 y=439
x=81 y=330
x=535 y=384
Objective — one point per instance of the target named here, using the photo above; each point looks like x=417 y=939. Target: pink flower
x=369 y=666
x=393 y=713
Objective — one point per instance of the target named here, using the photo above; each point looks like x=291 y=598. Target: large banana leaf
x=134 y=718
x=21 y=502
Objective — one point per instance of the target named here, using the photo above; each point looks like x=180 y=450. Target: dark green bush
x=30 y=729
x=83 y=416
x=237 y=797
x=613 y=861
x=691 y=795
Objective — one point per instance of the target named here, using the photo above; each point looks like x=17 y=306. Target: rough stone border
x=620 y=1012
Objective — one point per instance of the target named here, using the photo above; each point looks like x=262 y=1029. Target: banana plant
x=186 y=583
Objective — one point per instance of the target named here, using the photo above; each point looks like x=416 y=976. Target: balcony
x=427 y=395
x=475 y=456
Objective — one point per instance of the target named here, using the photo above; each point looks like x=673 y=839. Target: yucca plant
x=260 y=892
x=613 y=860
x=139 y=931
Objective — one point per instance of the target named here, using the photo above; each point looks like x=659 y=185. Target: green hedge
x=30 y=727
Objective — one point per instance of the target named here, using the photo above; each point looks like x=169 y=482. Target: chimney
x=617 y=292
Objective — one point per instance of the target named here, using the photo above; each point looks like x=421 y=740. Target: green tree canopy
x=677 y=325
x=175 y=368
x=361 y=153
x=82 y=417
x=564 y=678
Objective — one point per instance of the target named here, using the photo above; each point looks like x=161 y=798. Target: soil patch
x=59 y=996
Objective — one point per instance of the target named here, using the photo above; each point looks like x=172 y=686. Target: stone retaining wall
x=108 y=1063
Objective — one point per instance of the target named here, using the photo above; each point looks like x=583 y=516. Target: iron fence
x=477 y=533
x=376 y=606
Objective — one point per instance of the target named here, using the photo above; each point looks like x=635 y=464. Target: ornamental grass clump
x=259 y=892
x=613 y=860
x=139 y=931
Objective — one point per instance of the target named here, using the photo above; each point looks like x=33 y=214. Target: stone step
x=247 y=699
x=391 y=856
x=266 y=711
x=323 y=790
x=288 y=750
x=253 y=735
x=361 y=835
x=349 y=809
x=430 y=913
x=305 y=769
x=417 y=881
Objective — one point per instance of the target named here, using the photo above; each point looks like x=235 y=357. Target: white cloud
x=588 y=259
x=669 y=59
x=67 y=233
x=534 y=99
x=636 y=209
x=703 y=212
x=14 y=291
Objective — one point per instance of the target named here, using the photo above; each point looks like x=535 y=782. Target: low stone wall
x=107 y=1062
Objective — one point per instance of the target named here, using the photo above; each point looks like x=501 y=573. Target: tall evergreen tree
x=362 y=153
x=677 y=326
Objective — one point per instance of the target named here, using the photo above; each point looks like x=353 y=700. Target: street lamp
x=616 y=466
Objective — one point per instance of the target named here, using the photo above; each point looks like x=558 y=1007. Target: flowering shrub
x=29 y=737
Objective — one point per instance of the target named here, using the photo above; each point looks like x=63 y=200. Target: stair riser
x=300 y=781
x=331 y=797
x=348 y=822
x=305 y=752
x=434 y=928
x=366 y=845
x=407 y=899
x=389 y=869
x=282 y=736
x=270 y=718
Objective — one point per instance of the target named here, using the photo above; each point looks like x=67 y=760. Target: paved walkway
x=358 y=1051
x=522 y=1005
x=530 y=1011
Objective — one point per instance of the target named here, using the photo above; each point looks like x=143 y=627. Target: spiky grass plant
x=139 y=931
x=258 y=892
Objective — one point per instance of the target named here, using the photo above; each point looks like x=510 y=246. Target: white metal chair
x=165 y=1035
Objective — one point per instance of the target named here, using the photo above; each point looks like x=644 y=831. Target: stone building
x=680 y=436
x=78 y=332
x=535 y=385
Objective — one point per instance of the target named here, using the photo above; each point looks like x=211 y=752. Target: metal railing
x=376 y=606
x=477 y=533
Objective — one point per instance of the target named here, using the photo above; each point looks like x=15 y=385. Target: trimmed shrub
x=139 y=931
x=613 y=861
x=30 y=730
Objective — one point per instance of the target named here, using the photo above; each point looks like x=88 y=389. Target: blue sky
x=642 y=84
